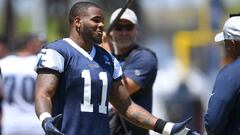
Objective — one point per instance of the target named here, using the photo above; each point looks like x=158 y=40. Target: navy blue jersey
x=222 y=117
x=84 y=83
x=140 y=65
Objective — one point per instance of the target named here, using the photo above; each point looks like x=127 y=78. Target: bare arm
x=119 y=98
x=46 y=85
x=131 y=86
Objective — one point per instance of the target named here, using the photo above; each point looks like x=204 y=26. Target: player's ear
x=234 y=42
x=237 y=43
x=110 y=35
x=77 y=22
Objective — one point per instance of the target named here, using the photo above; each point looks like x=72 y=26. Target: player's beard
x=91 y=35
x=123 y=43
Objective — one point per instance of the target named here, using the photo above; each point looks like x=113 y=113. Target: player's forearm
x=43 y=104
x=120 y=99
x=139 y=116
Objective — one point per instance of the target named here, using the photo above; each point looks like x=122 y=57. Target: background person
x=222 y=117
x=18 y=117
x=139 y=68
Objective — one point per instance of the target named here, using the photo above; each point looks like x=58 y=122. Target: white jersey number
x=87 y=106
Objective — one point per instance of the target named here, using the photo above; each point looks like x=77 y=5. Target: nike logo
x=211 y=94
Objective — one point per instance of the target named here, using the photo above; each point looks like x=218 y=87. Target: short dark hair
x=234 y=14
x=79 y=9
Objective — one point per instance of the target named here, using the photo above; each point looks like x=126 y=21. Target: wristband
x=167 y=128
x=159 y=126
x=44 y=116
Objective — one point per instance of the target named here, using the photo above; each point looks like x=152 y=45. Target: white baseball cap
x=128 y=14
x=231 y=30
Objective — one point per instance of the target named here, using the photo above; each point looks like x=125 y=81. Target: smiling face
x=93 y=25
x=124 y=34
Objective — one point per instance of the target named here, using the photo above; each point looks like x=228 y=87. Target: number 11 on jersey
x=87 y=106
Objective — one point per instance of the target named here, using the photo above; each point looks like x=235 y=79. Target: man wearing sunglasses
x=139 y=66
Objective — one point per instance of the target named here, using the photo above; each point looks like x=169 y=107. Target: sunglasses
x=120 y=27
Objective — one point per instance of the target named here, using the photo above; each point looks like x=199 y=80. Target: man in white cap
x=222 y=117
x=139 y=66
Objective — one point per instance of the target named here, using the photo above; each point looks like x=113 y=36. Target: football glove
x=50 y=124
x=178 y=128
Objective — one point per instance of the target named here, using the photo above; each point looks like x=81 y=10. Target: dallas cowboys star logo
x=40 y=62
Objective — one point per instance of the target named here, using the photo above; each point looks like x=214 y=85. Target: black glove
x=50 y=125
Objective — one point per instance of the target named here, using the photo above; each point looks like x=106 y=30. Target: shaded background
x=181 y=32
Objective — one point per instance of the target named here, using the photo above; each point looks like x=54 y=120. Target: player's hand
x=50 y=125
x=177 y=127
x=106 y=43
x=186 y=131
x=180 y=128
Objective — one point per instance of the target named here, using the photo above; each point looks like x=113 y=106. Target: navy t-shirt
x=140 y=64
x=222 y=117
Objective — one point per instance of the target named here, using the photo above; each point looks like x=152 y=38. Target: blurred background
x=181 y=32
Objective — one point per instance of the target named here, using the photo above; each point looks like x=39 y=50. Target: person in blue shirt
x=139 y=68
x=76 y=79
x=222 y=117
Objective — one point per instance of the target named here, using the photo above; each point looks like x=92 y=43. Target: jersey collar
x=82 y=51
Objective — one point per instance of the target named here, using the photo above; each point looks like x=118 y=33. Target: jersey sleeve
x=140 y=66
x=51 y=59
x=117 y=73
x=220 y=103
